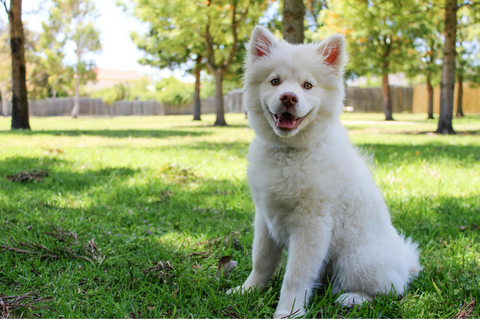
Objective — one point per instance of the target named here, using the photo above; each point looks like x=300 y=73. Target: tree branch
x=209 y=48
x=5 y=5
x=235 y=23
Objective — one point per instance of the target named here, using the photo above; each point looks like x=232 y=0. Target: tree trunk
x=292 y=23
x=460 y=97
x=196 y=96
x=447 y=85
x=430 y=95
x=220 y=121
x=387 y=104
x=4 y=102
x=19 y=88
x=76 y=103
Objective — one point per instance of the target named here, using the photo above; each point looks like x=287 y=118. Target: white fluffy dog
x=313 y=192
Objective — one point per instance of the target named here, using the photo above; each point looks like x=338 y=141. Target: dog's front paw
x=287 y=314
x=351 y=299
x=237 y=289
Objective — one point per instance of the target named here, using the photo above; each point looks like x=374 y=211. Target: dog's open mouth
x=286 y=121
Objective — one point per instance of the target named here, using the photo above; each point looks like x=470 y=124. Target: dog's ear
x=333 y=51
x=261 y=42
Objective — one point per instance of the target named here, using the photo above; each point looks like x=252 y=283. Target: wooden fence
x=371 y=99
x=96 y=107
x=470 y=104
x=404 y=99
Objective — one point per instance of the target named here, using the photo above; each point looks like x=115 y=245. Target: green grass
x=151 y=189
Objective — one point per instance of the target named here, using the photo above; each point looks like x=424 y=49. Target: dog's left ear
x=333 y=51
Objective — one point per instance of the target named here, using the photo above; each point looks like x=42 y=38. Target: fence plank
x=471 y=99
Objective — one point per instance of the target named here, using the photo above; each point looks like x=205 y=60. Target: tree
x=51 y=43
x=71 y=21
x=379 y=35
x=221 y=50
x=86 y=38
x=20 y=115
x=447 y=85
x=172 y=40
x=428 y=43
x=292 y=22
x=221 y=25
x=5 y=69
x=468 y=55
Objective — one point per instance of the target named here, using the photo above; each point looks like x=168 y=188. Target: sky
x=118 y=50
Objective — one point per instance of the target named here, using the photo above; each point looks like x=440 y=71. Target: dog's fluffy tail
x=413 y=253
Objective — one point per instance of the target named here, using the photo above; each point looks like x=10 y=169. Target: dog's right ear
x=261 y=42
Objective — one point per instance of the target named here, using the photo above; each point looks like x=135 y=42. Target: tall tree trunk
x=196 y=96
x=387 y=102
x=430 y=95
x=447 y=85
x=4 y=101
x=292 y=23
x=76 y=103
x=220 y=121
x=460 y=96
x=19 y=88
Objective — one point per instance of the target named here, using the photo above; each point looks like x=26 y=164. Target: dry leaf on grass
x=54 y=150
x=62 y=235
x=231 y=314
x=25 y=300
x=290 y=315
x=70 y=248
x=176 y=174
x=28 y=176
x=466 y=310
x=162 y=269
x=92 y=251
x=225 y=266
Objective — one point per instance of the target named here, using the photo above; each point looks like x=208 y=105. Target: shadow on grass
x=108 y=194
x=400 y=153
x=114 y=133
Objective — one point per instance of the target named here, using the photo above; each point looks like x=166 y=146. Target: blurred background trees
x=172 y=40
x=433 y=42
x=5 y=68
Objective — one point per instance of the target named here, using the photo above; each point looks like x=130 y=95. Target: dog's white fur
x=313 y=192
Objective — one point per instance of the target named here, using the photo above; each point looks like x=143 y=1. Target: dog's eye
x=275 y=82
x=307 y=85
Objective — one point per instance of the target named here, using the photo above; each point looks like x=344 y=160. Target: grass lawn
x=124 y=193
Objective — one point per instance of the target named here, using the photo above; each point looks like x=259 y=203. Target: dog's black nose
x=289 y=99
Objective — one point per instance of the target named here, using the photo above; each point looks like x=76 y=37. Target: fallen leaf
x=466 y=310
x=28 y=176
x=54 y=150
x=225 y=266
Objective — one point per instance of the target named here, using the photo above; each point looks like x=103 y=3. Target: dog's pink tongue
x=287 y=121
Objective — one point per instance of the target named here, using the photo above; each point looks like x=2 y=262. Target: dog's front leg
x=308 y=246
x=266 y=255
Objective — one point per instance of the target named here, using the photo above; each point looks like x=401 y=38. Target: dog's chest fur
x=283 y=180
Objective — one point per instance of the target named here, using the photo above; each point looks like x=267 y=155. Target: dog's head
x=292 y=92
